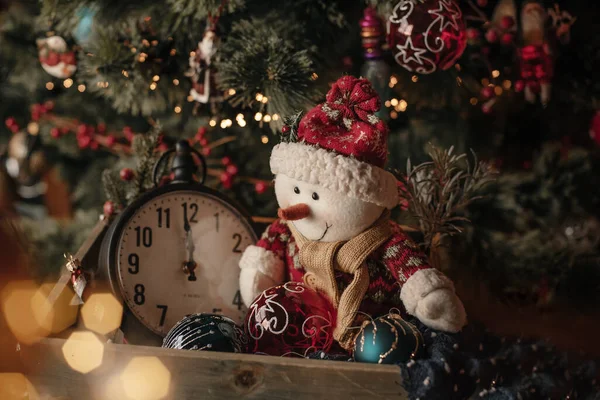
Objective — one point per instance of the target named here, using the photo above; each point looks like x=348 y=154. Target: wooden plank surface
x=207 y=375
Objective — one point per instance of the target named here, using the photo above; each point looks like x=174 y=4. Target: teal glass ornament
x=83 y=31
x=388 y=340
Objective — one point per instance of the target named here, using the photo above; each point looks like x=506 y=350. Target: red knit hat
x=342 y=145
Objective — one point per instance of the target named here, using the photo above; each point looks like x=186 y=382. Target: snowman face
x=333 y=216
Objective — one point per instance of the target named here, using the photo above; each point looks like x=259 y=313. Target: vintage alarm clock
x=175 y=252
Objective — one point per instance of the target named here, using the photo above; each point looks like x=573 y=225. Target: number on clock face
x=152 y=251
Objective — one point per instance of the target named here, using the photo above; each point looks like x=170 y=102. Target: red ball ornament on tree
x=428 y=35
x=226 y=180
x=290 y=319
x=487 y=92
x=126 y=174
x=491 y=36
x=482 y=3
x=128 y=133
x=519 y=86
x=110 y=141
x=507 y=39
x=473 y=34
x=226 y=160
x=260 y=187
x=108 y=208
x=232 y=169
x=55 y=132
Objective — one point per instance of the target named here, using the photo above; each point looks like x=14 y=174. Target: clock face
x=154 y=245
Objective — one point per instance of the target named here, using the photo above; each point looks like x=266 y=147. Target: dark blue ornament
x=388 y=340
x=210 y=332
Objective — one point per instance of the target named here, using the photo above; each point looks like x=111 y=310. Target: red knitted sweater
x=390 y=266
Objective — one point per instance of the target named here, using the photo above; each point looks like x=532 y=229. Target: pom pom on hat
x=342 y=145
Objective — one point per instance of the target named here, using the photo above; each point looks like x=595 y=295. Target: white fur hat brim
x=335 y=172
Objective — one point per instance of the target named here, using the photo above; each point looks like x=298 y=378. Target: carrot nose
x=295 y=212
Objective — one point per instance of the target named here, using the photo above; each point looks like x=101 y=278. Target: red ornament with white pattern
x=56 y=57
x=427 y=35
x=290 y=319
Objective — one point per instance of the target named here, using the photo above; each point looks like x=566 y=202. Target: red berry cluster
x=38 y=110
x=231 y=170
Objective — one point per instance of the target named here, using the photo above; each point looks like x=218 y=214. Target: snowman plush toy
x=334 y=231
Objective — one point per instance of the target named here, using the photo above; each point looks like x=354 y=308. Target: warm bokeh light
x=264 y=139
x=402 y=105
x=49 y=85
x=415 y=78
x=17 y=303
x=177 y=109
x=231 y=92
x=176 y=82
x=473 y=101
x=83 y=351
x=495 y=73
x=15 y=386
x=81 y=88
x=259 y=97
x=102 y=313
x=267 y=118
x=33 y=128
x=394 y=102
x=275 y=117
x=54 y=314
x=68 y=83
x=258 y=116
x=498 y=90
x=212 y=122
x=146 y=378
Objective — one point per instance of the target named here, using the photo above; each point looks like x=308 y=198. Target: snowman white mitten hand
x=260 y=269
x=429 y=296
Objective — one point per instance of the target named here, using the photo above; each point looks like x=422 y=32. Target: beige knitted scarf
x=320 y=259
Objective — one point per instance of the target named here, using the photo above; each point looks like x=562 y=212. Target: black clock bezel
x=107 y=262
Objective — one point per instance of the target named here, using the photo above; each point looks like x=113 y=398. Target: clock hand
x=190 y=265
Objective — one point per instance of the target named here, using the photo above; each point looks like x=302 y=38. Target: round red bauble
x=507 y=39
x=108 y=208
x=482 y=3
x=285 y=129
x=486 y=108
x=519 y=86
x=110 y=141
x=10 y=122
x=507 y=22
x=206 y=151
x=55 y=132
x=260 y=187
x=487 y=92
x=94 y=145
x=226 y=180
x=226 y=160
x=428 y=35
x=84 y=141
x=491 y=36
x=203 y=141
x=290 y=319
x=126 y=174
x=472 y=34
x=232 y=169
x=82 y=130
x=595 y=128
x=201 y=131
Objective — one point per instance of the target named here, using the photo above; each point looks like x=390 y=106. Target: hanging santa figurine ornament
x=426 y=35
x=204 y=89
x=535 y=55
x=57 y=58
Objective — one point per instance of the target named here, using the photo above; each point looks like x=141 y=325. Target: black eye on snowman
x=315 y=196
x=296 y=190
